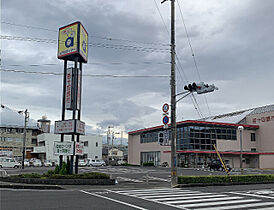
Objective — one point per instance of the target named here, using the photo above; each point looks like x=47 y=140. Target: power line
x=86 y=75
x=93 y=63
x=100 y=45
x=180 y=66
x=192 y=53
x=94 y=36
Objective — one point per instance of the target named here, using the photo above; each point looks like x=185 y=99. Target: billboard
x=63 y=148
x=73 y=43
x=69 y=127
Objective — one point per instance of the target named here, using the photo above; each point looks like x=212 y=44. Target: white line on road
x=117 y=192
x=218 y=203
x=203 y=200
x=254 y=195
x=243 y=206
x=185 y=198
x=117 y=201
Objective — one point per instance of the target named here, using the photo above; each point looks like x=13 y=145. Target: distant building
x=195 y=140
x=44 y=124
x=12 y=140
x=116 y=154
x=44 y=149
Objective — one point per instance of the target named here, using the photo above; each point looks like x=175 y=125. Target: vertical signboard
x=69 y=87
x=83 y=43
x=79 y=148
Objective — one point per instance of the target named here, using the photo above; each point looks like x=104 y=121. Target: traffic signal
x=192 y=87
x=200 y=88
x=161 y=138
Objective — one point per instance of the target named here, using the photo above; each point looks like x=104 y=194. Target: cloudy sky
x=232 y=42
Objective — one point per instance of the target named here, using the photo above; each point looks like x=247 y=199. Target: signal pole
x=25 y=137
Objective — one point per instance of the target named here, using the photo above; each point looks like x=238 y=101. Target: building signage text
x=263 y=119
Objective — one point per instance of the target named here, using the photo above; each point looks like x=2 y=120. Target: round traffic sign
x=165 y=108
x=165 y=120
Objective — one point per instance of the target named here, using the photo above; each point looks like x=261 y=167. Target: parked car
x=37 y=163
x=6 y=162
x=217 y=165
x=48 y=163
x=26 y=163
x=83 y=162
x=96 y=163
x=121 y=162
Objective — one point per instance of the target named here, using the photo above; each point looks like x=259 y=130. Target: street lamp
x=240 y=129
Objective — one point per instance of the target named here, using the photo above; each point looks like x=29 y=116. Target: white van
x=96 y=163
x=6 y=162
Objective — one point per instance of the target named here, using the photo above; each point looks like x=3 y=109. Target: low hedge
x=219 y=179
x=148 y=164
x=91 y=175
x=128 y=164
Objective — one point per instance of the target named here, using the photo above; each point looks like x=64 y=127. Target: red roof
x=196 y=122
x=223 y=152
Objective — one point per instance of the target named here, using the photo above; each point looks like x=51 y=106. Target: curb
x=26 y=186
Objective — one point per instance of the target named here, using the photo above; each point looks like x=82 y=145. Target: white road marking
x=131 y=195
x=253 y=195
x=128 y=179
x=203 y=200
x=157 y=178
x=191 y=197
x=151 y=190
x=152 y=194
x=178 y=194
x=217 y=203
x=243 y=206
x=117 y=201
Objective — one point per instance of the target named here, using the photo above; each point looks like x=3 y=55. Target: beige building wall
x=135 y=148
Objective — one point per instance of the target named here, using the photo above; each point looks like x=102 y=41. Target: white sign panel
x=69 y=88
x=65 y=127
x=79 y=148
x=80 y=127
x=63 y=148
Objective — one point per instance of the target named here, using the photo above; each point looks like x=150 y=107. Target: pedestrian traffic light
x=161 y=138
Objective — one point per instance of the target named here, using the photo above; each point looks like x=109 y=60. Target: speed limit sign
x=165 y=108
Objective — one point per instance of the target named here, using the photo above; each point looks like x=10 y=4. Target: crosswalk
x=190 y=199
x=116 y=170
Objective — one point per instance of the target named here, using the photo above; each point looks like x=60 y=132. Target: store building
x=44 y=148
x=195 y=140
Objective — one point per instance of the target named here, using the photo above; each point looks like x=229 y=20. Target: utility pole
x=25 y=137
x=173 y=99
x=241 y=128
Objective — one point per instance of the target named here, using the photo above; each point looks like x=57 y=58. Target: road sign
x=69 y=127
x=165 y=108
x=79 y=148
x=165 y=120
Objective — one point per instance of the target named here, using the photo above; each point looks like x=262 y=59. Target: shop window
x=34 y=141
x=86 y=144
x=253 y=137
x=253 y=150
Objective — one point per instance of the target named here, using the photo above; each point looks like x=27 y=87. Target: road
x=126 y=174
x=206 y=198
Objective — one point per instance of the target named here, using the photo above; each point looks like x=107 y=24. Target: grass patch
x=258 y=178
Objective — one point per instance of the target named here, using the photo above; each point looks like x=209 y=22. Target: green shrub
x=56 y=170
x=258 y=178
x=148 y=164
x=127 y=164
x=63 y=170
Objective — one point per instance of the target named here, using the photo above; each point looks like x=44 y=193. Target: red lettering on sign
x=268 y=118
x=263 y=119
x=254 y=120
